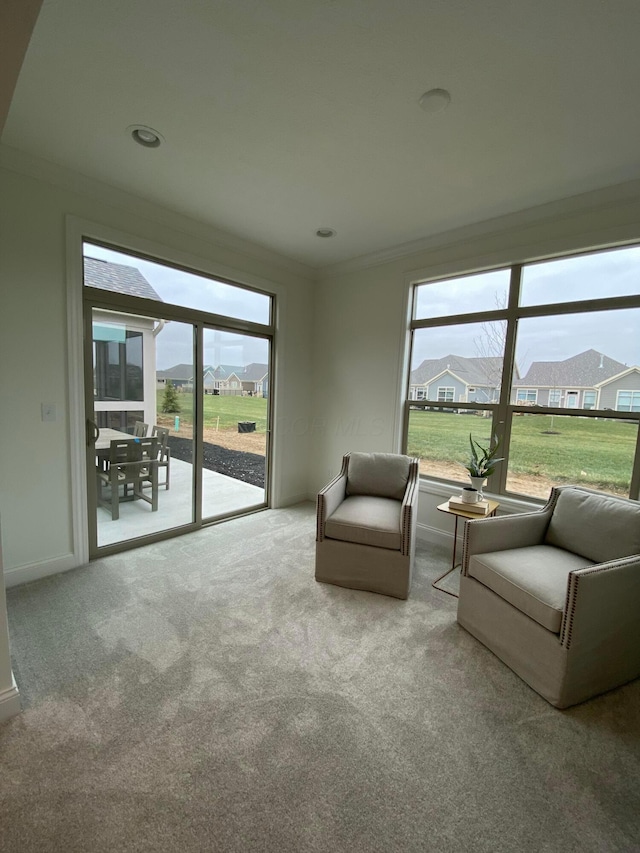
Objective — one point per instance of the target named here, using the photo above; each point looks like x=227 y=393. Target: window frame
x=502 y=412
x=444 y=391
x=527 y=400
x=633 y=392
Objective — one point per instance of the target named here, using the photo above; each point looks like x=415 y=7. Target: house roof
x=224 y=371
x=118 y=278
x=473 y=371
x=584 y=370
x=179 y=371
x=254 y=372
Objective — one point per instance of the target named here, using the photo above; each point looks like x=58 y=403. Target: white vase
x=478 y=483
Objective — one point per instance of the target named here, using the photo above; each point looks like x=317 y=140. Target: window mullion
x=502 y=417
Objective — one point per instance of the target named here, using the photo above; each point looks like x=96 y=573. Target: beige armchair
x=366 y=524
x=555 y=594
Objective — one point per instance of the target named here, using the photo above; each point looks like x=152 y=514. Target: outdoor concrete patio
x=220 y=495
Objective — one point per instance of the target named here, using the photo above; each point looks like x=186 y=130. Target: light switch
x=48 y=411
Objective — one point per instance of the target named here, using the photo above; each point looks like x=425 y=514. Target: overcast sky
x=612 y=273
x=616 y=334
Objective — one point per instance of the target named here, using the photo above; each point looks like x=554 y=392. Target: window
x=535 y=334
x=628 y=401
x=118 y=363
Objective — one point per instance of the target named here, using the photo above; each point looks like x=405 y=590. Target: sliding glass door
x=177 y=400
x=235 y=424
x=132 y=415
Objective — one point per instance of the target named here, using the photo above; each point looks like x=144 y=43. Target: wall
x=361 y=318
x=35 y=480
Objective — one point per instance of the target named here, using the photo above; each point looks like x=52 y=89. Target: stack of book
x=477 y=508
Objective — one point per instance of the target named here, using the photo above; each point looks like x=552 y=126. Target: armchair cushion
x=367 y=520
x=534 y=579
x=596 y=526
x=384 y=475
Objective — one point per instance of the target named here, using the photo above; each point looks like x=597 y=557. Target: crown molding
x=600 y=200
x=16 y=160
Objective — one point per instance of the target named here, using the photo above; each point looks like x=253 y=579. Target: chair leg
x=115 y=501
x=154 y=488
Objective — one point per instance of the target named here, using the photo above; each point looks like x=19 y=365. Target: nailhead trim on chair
x=572 y=594
x=407 y=515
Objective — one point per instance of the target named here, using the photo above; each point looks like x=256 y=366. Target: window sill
x=508 y=503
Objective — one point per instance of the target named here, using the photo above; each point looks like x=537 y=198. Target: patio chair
x=131 y=463
x=140 y=429
x=366 y=524
x=555 y=594
x=164 y=451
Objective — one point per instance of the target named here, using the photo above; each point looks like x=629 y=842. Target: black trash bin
x=246 y=426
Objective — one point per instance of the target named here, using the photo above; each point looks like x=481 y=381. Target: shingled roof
x=473 y=371
x=117 y=278
x=254 y=372
x=183 y=372
x=584 y=370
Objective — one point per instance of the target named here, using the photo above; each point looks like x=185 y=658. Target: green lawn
x=230 y=410
x=598 y=453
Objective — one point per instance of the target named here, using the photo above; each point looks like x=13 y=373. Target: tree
x=489 y=346
x=170 y=403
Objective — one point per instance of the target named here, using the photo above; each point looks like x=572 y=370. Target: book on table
x=477 y=508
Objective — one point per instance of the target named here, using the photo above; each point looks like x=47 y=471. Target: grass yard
x=230 y=410
x=595 y=453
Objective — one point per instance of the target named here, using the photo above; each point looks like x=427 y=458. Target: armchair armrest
x=330 y=498
x=410 y=508
x=501 y=534
x=603 y=602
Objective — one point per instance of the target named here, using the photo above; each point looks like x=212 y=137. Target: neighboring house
x=224 y=379
x=255 y=379
x=590 y=380
x=179 y=376
x=124 y=349
x=456 y=379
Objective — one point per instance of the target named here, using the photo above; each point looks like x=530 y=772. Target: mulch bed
x=248 y=467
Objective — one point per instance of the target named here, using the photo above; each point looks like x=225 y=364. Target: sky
x=616 y=334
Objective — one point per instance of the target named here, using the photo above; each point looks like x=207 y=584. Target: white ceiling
x=283 y=116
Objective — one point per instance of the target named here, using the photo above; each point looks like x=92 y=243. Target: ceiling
x=284 y=116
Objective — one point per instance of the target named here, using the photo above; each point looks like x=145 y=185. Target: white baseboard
x=425 y=533
x=291 y=500
x=9 y=702
x=35 y=571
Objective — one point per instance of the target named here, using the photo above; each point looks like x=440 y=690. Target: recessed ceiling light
x=145 y=136
x=326 y=232
x=435 y=100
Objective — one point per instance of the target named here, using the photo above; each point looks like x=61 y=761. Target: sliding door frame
x=81 y=300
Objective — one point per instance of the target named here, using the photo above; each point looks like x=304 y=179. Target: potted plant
x=483 y=461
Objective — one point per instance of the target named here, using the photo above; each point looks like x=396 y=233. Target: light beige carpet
x=205 y=694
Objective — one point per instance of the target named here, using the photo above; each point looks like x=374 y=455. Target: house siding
x=609 y=392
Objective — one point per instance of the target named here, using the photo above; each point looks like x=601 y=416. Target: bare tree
x=489 y=346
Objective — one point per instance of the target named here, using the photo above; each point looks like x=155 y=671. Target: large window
x=628 y=401
x=531 y=351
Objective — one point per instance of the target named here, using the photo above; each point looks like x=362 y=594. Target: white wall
x=35 y=480
x=361 y=319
